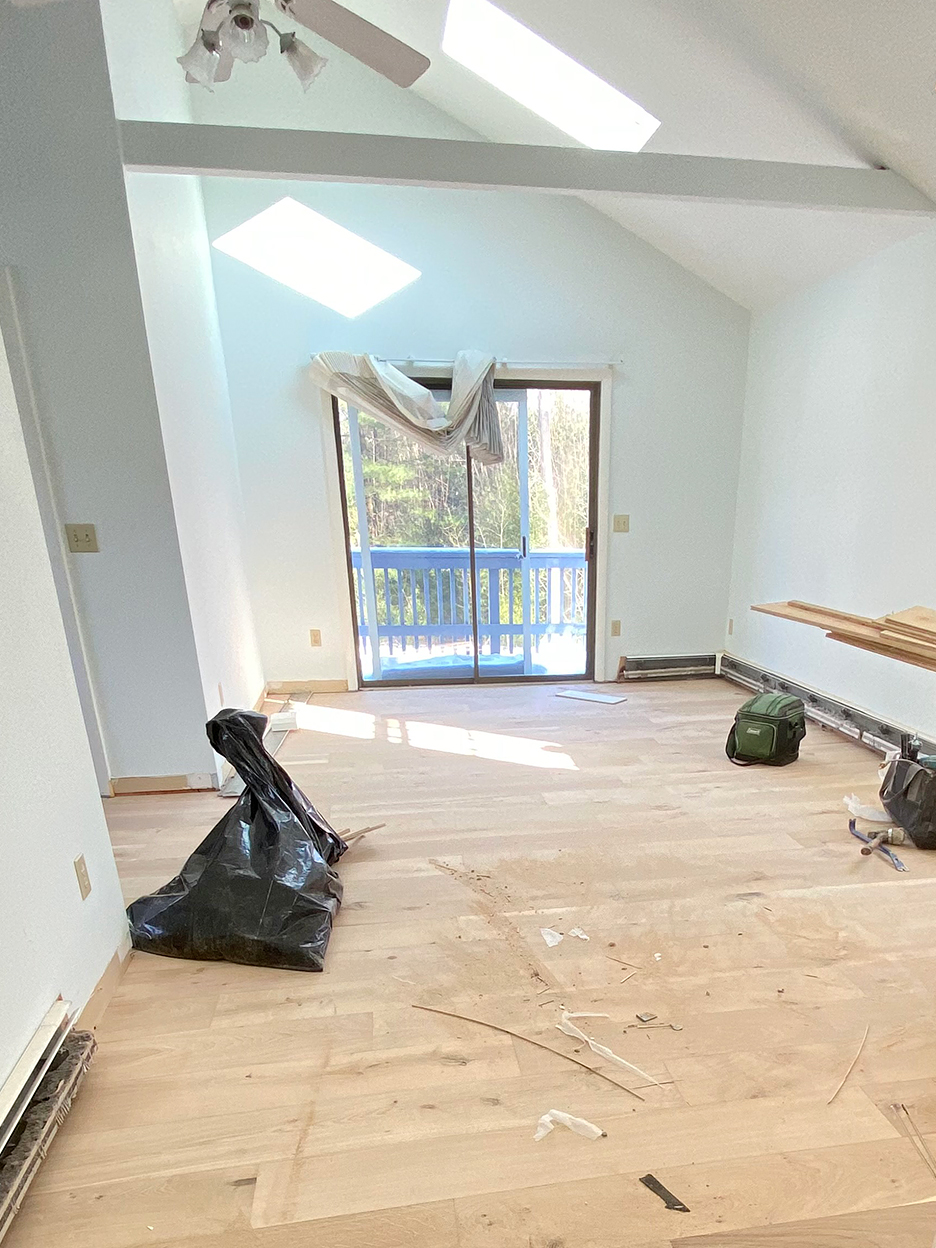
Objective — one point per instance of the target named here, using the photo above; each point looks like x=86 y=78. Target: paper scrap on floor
x=555 y=1117
x=587 y=695
x=577 y=931
x=551 y=937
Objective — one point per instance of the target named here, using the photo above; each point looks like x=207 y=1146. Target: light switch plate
x=82 y=538
x=84 y=880
x=615 y=628
x=622 y=524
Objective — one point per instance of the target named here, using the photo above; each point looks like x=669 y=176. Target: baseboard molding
x=666 y=666
x=852 y=721
x=306 y=686
x=104 y=989
x=193 y=782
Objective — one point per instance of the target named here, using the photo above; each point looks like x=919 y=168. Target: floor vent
x=667 y=666
x=39 y=1119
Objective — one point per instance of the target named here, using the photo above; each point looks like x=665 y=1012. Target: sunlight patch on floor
x=442 y=738
x=338 y=723
x=525 y=751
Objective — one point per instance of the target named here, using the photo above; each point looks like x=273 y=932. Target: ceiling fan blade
x=364 y=41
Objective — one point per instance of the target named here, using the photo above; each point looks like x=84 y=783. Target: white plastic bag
x=872 y=813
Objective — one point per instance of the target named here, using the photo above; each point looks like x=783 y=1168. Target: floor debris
x=569 y=1028
x=581 y=1126
x=551 y=937
x=854 y=1063
x=646 y=1018
x=351 y=837
x=853 y=805
x=577 y=931
x=431 y=1009
x=586 y=695
x=916 y=1137
x=671 y=1201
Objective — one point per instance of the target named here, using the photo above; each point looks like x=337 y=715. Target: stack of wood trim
x=909 y=636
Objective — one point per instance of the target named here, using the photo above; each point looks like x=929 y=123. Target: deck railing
x=423 y=598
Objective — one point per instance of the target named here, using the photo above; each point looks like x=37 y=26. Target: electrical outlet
x=315 y=636
x=84 y=880
x=615 y=628
x=82 y=538
x=730 y=627
x=622 y=524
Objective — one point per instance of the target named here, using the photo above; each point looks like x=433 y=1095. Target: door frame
x=593 y=543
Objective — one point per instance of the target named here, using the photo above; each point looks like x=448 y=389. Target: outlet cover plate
x=82 y=539
x=315 y=636
x=84 y=880
x=615 y=628
x=622 y=524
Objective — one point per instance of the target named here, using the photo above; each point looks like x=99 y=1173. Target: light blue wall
x=529 y=278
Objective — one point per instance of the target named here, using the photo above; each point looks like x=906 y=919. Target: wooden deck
x=233 y=1107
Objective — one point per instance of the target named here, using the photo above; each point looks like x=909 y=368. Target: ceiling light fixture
x=523 y=65
x=317 y=257
x=233 y=30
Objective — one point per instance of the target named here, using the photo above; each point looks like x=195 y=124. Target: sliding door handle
x=523 y=547
x=589 y=545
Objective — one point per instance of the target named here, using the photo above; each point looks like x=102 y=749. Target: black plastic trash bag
x=261 y=888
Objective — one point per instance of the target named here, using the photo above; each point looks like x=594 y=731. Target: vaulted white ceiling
x=839 y=82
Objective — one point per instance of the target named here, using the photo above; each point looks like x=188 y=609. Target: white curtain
x=377 y=388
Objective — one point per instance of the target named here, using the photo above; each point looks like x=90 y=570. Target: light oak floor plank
x=238 y=1107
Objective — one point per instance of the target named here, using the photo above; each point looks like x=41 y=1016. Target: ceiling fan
x=234 y=30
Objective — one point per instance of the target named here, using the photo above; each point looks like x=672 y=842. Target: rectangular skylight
x=531 y=71
x=317 y=257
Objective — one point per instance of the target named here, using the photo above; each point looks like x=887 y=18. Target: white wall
x=194 y=410
x=53 y=942
x=530 y=278
x=171 y=246
x=64 y=228
x=837 y=501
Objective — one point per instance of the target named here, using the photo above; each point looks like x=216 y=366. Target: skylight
x=317 y=257
x=531 y=71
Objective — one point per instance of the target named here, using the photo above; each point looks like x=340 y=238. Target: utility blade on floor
x=671 y=1201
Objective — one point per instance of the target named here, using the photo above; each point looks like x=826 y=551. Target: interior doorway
x=465 y=572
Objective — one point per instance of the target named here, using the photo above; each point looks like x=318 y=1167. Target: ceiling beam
x=323 y=156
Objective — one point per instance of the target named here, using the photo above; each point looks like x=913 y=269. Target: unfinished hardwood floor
x=233 y=1107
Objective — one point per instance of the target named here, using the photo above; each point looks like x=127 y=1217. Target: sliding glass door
x=464 y=571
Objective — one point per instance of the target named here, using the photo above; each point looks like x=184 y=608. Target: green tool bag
x=767 y=729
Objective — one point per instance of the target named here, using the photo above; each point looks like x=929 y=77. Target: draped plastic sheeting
x=261 y=887
x=382 y=391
